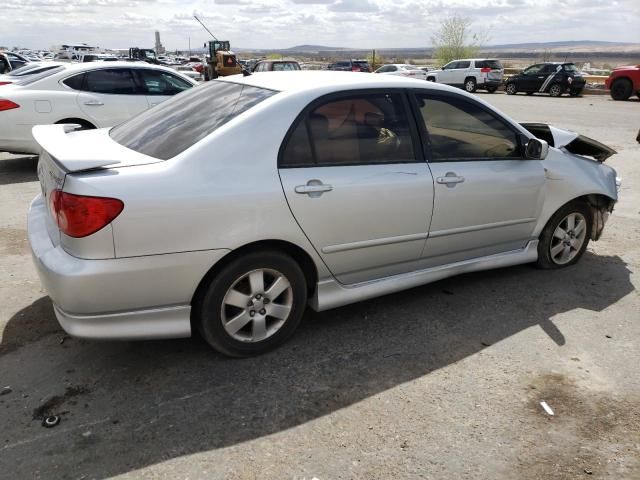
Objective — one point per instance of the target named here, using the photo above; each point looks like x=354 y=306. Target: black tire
x=470 y=85
x=492 y=89
x=209 y=313
x=511 y=89
x=555 y=90
x=548 y=241
x=431 y=79
x=575 y=93
x=621 y=89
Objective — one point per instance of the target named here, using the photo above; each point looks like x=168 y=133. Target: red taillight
x=79 y=215
x=5 y=83
x=8 y=105
x=485 y=70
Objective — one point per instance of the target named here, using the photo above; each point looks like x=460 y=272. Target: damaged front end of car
x=570 y=141
x=601 y=206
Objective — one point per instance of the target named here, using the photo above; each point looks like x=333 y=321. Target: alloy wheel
x=568 y=238
x=257 y=305
x=555 y=90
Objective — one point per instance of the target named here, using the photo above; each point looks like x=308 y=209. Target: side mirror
x=536 y=149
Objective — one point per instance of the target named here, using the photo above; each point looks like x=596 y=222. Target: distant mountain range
x=558 y=46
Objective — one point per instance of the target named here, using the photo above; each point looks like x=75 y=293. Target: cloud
x=283 y=23
x=354 y=6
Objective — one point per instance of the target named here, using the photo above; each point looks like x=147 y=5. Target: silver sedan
x=231 y=207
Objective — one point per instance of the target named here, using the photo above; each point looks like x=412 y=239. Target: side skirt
x=331 y=294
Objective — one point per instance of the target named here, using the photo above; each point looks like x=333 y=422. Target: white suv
x=471 y=73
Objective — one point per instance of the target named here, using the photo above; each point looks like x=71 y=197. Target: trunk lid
x=76 y=151
x=571 y=141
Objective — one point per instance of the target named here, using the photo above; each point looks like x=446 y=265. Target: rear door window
x=363 y=129
x=178 y=123
x=114 y=81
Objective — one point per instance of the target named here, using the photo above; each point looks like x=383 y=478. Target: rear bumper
x=491 y=83
x=120 y=298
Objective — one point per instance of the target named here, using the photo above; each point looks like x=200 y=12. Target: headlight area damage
x=577 y=144
x=571 y=141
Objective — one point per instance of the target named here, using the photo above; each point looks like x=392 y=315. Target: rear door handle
x=94 y=103
x=450 y=179
x=313 y=188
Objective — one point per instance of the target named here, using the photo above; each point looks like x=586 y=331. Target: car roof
x=312 y=79
x=80 y=67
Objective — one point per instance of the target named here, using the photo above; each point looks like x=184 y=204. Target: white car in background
x=403 y=70
x=470 y=74
x=92 y=95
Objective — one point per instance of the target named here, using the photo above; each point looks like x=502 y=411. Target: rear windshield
x=30 y=68
x=29 y=79
x=492 y=64
x=176 y=124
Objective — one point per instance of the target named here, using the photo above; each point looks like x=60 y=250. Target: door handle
x=94 y=103
x=450 y=179
x=313 y=188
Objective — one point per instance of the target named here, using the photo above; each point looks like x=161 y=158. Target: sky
x=285 y=23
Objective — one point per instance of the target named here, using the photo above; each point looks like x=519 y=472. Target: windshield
x=570 y=67
x=407 y=67
x=170 y=128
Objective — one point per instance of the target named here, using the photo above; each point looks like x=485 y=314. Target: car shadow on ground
x=18 y=169
x=148 y=402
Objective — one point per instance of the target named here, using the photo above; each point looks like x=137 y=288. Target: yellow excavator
x=221 y=60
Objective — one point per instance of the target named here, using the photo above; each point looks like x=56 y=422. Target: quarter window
x=157 y=82
x=115 y=81
x=357 y=130
x=75 y=82
x=460 y=130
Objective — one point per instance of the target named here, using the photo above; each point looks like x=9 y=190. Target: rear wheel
x=84 y=125
x=565 y=237
x=470 y=85
x=555 y=90
x=511 y=89
x=621 y=89
x=253 y=304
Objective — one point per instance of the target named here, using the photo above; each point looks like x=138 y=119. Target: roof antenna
x=245 y=72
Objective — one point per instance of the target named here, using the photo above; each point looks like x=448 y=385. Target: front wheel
x=253 y=304
x=511 y=89
x=565 y=237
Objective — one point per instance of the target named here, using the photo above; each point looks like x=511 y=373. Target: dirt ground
x=438 y=382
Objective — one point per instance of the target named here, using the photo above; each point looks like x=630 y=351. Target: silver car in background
x=231 y=207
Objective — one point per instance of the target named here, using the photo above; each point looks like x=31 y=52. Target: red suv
x=624 y=82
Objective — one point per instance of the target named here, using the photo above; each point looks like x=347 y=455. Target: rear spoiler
x=571 y=141
x=74 y=154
